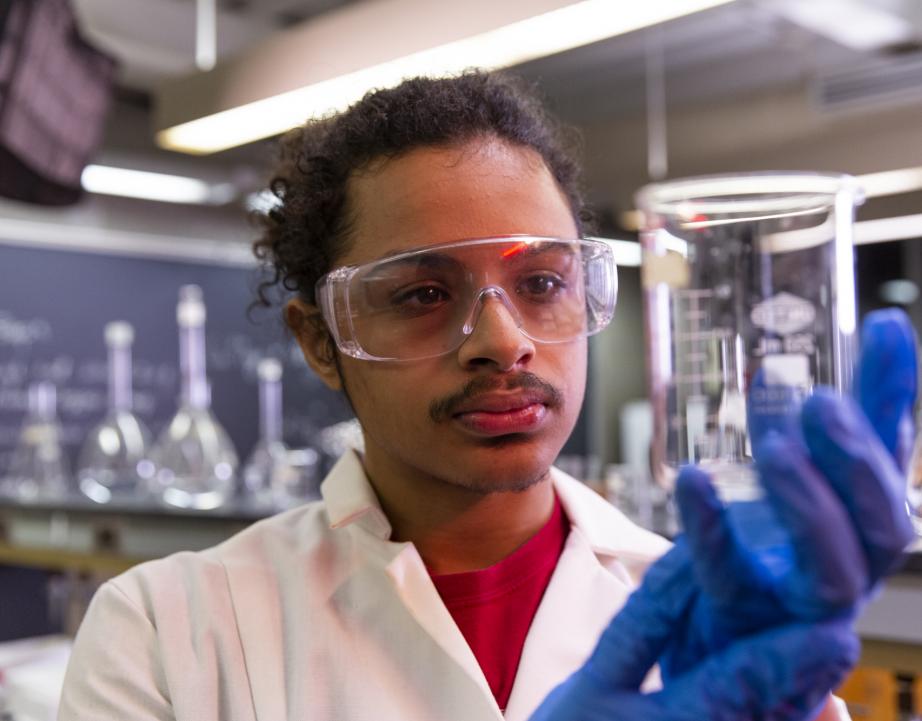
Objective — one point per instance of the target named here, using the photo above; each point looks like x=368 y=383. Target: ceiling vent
x=885 y=83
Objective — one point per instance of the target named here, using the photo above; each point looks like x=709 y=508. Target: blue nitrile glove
x=782 y=674
x=834 y=520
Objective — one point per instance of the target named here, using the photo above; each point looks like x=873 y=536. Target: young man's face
x=432 y=418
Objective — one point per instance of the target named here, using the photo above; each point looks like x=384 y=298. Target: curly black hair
x=308 y=229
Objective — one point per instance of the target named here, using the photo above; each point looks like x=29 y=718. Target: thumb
x=638 y=635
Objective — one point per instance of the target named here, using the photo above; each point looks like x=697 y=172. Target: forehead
x=434 y=195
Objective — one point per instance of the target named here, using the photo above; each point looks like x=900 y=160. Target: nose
x=494 y=334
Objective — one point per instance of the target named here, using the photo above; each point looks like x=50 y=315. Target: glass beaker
x=114 y=460
x=749 y=292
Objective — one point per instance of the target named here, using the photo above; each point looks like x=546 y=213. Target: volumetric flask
x=114 y=460
x=749 y=292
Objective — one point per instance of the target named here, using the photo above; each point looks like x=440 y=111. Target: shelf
x=59 y=559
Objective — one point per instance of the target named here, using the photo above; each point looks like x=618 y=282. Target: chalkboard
x=54 y=304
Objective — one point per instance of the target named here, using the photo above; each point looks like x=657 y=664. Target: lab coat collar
x=565 y=628
x=350 y=499
x=607 y=530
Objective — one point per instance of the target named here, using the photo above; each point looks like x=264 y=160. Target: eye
x=541 y=287
x=419 y=299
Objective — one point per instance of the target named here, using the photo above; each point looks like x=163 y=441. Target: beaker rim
x=664 y=194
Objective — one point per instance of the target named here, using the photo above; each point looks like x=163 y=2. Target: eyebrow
x=523 y=251
x=433 y=260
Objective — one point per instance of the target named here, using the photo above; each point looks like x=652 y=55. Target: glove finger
x=579 y=699
x=887 y=379
x=828 y=572
x=640 y=632
x=845 y=448
x=723 y=566
x=782 y=674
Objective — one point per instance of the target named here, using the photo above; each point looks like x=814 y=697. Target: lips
x=501 y=414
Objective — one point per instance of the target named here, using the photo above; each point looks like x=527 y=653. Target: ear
x=312 y=334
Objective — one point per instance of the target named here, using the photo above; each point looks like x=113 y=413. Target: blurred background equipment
x=196 y=462
x=55 y=91
x=38 y=468
x=114 y=459
x=269 y=457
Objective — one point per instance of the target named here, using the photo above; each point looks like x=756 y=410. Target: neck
x=457 y=529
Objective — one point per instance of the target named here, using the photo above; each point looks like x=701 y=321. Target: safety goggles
x=425 y=302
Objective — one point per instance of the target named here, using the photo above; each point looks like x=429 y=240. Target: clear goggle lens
x=426 y=302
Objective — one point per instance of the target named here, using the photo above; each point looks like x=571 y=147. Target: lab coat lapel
x=351 y=502
x=415 y=588
x=580 y=600
x=392 y=599
x=253 y=587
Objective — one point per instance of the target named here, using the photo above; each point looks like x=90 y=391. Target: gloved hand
x=834 y=519
x=782 y=674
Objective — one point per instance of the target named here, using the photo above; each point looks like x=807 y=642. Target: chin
x=512 y=464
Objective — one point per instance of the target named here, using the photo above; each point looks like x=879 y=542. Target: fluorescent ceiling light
x=856 y=24
x=626 y=252
x=902 y=227
x=261 y=201
x=579 y=23
x=891 y=182
x=107 y=180
x=900 y=291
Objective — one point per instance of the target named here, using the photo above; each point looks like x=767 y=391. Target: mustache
x=444 y=408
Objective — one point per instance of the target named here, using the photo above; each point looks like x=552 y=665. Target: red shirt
x=494 y=607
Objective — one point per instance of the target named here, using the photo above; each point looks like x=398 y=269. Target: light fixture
x=900 y=291
x=883 y=230
x=129 y=183
x=891 y=182
x=856 y=24
x=627 y=253
x=303 y=73
x=261 y=202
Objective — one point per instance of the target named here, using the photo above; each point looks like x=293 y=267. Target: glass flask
x=749 y=293
x=337 y=439
x=270 y=455
x=195 y=460
x=114 y=461
x=298 y=479
x=38 y=469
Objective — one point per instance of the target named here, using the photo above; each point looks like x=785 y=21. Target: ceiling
x=747 y=44
x=155 y=39
x=747 y=47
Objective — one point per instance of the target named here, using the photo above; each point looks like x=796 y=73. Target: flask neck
x=43 y=402
x=120 y=387
x=270 y=410
x=194 y=389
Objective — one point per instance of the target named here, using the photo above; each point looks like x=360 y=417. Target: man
x=431 y=234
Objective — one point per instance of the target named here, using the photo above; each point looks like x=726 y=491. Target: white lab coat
x=314 y=615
